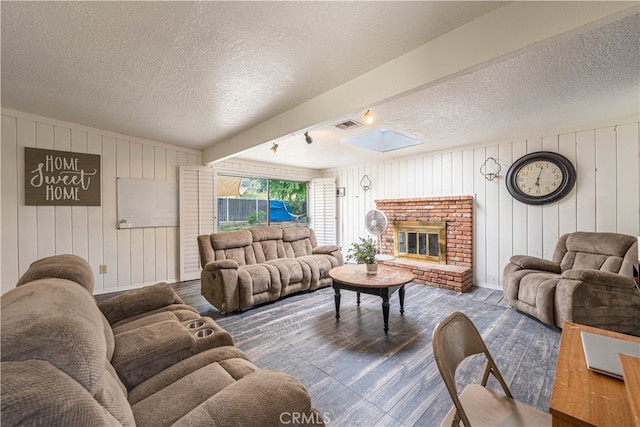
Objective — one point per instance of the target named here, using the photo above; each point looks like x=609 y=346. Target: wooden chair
x=454 y=339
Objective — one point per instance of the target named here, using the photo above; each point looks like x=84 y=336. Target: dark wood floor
x=358 y=376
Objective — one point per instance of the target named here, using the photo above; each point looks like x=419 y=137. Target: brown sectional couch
x=241 y=269
x=140 y=358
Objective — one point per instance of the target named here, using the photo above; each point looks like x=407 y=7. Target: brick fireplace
x=456 y=273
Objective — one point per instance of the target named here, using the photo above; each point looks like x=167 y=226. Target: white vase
x=372 y=268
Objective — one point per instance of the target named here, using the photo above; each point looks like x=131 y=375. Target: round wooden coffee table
x=354 y=277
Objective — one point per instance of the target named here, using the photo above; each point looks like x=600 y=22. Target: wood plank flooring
x=358 y=376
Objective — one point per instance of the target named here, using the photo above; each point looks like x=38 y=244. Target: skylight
x=381 y=140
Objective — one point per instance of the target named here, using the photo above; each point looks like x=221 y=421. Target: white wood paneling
x=550 y=212
x=133 y=257
x=9 y=202
x=64 y=239
x=535 y=228
x=586 y=180
x=504 y=226
x=567 y=215
x=28 y=219
x=506 y=231
x=45 y=214
x=479 y=218
x=519 y=218
x=606 y=179
x=628 y=178
x=79 y=214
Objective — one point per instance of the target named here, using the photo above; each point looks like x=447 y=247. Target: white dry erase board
x=147 y=203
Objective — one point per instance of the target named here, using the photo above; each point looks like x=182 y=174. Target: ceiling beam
x=494 y=36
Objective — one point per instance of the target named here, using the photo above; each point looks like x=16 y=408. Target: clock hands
x=538 y=178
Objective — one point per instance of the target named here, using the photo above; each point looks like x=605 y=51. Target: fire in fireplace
x=421 y=240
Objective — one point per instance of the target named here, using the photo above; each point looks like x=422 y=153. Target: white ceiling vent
x=349 y=124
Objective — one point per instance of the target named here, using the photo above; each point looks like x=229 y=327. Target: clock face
x=540 y=178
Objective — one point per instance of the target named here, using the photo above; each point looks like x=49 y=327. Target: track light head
x=307 y=137
x=274 y=148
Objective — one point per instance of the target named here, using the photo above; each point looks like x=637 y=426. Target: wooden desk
x=581 y=397
x=631 y=372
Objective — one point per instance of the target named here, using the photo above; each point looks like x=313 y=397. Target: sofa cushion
x=241 y=256
x=61 y=357
x=263 y=398
x=73 y=324
x=231 y=239
x=598 y=251
x=181 y=369
x=66 y=266
x=258 y=283
x=531 y=284
x=260 y=234
x=35 y=392
x=134 y=302
x=163 y=408
x=143 y=352
x=155 y=318
x=291 y=271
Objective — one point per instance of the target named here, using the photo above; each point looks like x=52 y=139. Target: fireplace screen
x=425 y=241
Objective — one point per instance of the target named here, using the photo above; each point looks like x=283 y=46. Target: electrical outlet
x=103 y=268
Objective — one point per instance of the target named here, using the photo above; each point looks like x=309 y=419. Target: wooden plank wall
x=606 y=196
x=133 y=257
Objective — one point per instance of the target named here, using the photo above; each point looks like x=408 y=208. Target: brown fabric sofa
x=141 y=358
x=589 y=280
x=241 y=269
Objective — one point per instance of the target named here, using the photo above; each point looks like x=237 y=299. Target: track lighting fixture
x=274 y=148
x=307 y=137
x=368 y=117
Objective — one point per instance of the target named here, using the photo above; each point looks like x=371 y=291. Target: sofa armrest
x=600 y=278
x=265 y=398
x=220 y=264
x=325 y=249
x=535 y=263
x=132 y=303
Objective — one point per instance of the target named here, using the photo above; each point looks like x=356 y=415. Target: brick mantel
x=457 y=212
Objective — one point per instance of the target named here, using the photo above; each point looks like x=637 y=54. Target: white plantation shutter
x=322 y=206
x=196 y=216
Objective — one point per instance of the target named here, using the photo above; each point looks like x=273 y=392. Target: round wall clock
x=540 y=178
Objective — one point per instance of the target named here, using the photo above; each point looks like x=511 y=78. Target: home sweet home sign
x=61 y=178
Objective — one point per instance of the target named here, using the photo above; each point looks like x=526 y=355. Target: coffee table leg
x=385 y=309
x=401 y=295
x=336 y=297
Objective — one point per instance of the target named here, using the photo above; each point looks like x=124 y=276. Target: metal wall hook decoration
x=365 y=183
x=490 y=169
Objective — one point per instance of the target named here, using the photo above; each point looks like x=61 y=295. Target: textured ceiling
x=197 y=73
x=194 y=73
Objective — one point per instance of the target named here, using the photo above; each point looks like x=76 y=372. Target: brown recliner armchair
x=588 y=281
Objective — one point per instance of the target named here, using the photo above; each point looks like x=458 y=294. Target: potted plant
x=364 y=252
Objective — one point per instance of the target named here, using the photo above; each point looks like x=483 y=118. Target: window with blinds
x=323 y=210
x=196 y=216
